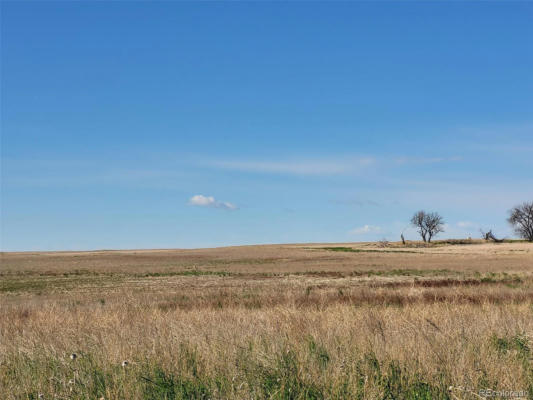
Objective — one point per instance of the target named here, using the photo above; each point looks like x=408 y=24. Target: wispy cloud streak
x=298 y=167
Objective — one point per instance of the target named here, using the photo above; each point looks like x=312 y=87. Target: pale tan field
x=311 y=321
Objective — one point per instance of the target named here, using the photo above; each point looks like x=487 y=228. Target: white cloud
x=428 y=160
x=341 y=165
x=299 y=167
x=366 y=229
x=209 y=201
x=466 y=224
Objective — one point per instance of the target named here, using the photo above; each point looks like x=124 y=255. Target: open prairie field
x=313 y=321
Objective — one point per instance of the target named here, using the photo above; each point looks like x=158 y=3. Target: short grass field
x=335 y=321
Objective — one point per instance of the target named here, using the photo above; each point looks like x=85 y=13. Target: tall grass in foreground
x=337 y=351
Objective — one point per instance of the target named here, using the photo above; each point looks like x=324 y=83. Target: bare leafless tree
x=521 y=218
x=418 y=221
x=428 y=224
x=434 y=224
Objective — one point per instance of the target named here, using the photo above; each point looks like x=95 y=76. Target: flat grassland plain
x=342 y=321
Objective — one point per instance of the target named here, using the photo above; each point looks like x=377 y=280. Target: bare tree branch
x=490 y=236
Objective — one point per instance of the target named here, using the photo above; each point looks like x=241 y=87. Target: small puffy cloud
x=209 y=201
x=201 y=200
x=366 y=229
x=466 y=224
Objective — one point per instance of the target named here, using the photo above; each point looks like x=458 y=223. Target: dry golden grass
x=283 y=322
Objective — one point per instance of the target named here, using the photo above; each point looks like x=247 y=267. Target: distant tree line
x=430 y=224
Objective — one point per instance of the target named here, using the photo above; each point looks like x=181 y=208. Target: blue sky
x=164 y=125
